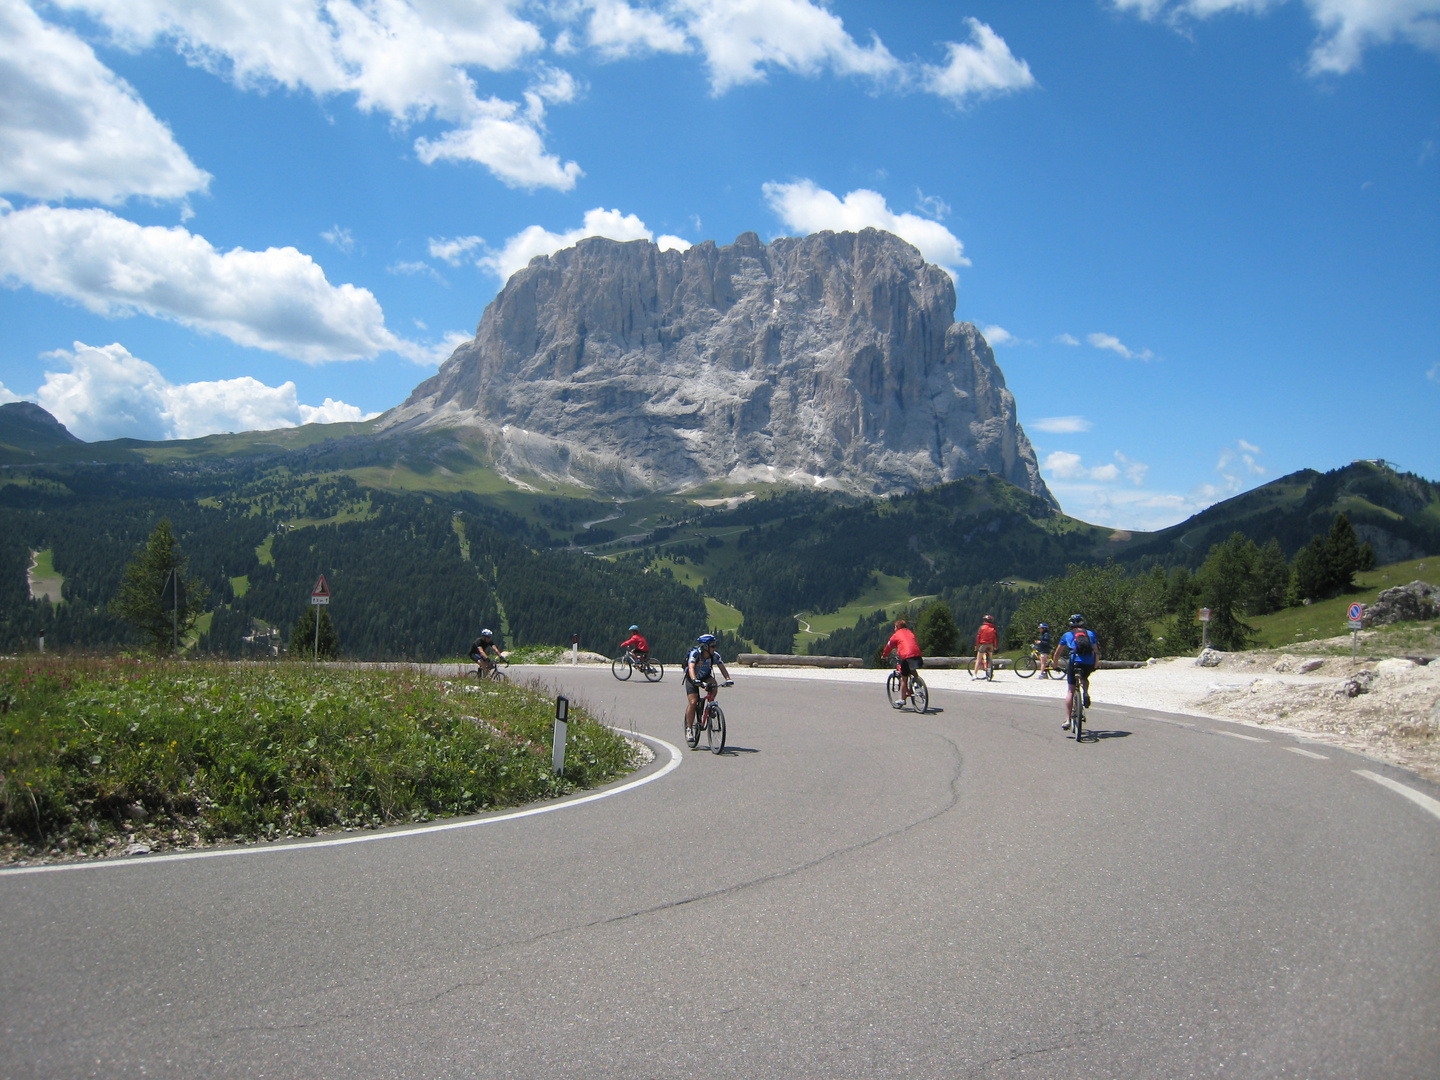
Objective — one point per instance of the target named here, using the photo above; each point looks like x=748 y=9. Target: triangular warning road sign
x=321 y=589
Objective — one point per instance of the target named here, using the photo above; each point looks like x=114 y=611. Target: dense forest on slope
x=412 y=576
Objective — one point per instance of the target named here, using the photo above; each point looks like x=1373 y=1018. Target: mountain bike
x=627 y=663
x=491 y=671
x=897 y=691
x=710 y=722
x=983 y=667
x=1028 y=665
x=1077 y=705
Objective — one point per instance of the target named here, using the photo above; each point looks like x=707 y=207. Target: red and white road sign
x=321 y=593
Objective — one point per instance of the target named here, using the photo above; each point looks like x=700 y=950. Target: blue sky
x=1203 y=236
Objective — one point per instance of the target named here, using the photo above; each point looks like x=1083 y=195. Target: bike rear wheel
x=715 y=728
x=919 y=694
x=1025 y=666
x=622 y=668
x=1077 y=710
x=893 y=692
x=654 y=670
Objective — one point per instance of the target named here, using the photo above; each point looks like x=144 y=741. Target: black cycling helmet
x=1077 y=620
x=634 y=628
x=705 y=639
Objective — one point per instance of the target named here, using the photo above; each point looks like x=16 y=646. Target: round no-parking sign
x=1357 y=615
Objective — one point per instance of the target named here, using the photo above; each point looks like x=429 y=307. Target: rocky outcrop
x=833 y=360
x=1405 y=603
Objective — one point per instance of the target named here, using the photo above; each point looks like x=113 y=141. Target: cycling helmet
x=634 y=628
x=706 y=639
x=1077 y=620
x=1044 y=626
x=486 y=633
x=989 y=618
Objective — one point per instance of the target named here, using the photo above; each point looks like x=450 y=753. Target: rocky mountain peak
x=832 y=359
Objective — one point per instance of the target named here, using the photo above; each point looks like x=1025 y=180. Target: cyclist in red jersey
x=637 y=642
x=986 y=639
x=907 y=650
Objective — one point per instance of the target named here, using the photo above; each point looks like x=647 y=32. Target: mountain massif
x=832 y=360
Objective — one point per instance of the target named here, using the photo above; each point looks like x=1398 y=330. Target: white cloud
x=1066 y=339
x=410 y=59
x=932 y=206
x=617 y=30
x=6 y=397
x=277 y=299
x=536 y=240
x=1135 y=471
x=1247 y=455
x=453 y=249
x=1061 y=425
x=807 y=208
x=1063 y=465
x=1434 y=374
x=110 y=394
x=339 y=238
x=980 y=68
x=997 y=335
x=1109 y=341
x=417 y=268
x=1347 y=27
x=71 y=128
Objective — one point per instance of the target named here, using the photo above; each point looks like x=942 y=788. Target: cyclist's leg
x=1070 y=678
x=1085 y=673
x=692 y=694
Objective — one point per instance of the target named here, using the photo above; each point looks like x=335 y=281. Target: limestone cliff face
x=833 y=359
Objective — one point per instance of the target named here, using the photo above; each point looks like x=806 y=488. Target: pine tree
x=936 y=632
x=303 y=641
x=156 y=596
x=1271 y=579
x=1226 y=582
x=1344 y=551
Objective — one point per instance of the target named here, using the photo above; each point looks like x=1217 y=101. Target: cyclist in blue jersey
x=1084 y=652
x=698 y=672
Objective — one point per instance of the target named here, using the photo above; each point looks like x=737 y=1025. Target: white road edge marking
x=1419 y=798
x=1307 y=753
x=340 y=841
x=1237 y=735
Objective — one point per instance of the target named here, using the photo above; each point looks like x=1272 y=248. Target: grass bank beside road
x=97 y=756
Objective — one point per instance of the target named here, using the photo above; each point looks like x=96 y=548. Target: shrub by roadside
x=99 y=755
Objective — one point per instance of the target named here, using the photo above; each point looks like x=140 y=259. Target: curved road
x=852 y=892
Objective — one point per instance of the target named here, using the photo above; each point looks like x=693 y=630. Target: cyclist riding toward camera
x=478 y=653
x=1043 y=646
x=1084 y=652
x=699 y=672
x=907 y=651
x=986 y=639
x=638 y=646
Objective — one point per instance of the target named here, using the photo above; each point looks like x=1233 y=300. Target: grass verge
x=97 y=755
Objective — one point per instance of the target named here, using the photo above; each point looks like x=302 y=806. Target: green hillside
x=1328 y=618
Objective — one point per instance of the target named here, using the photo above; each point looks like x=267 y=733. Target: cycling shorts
x=910 y=665
x=692 y=687
x=1083 y=670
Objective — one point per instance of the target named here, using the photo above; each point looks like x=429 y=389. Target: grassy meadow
x=98 y=754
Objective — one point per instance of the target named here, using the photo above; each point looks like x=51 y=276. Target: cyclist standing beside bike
x=698 y=673
x=1044 y=646
x=478 y=654
x=1084 y=652
x=907 y=650
x=637 y=643
x=985 y=641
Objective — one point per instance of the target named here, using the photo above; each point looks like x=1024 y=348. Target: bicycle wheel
x=654 y=670
x=1077 y=711
x=498 y=675
x=621 y=668
x=692 y=734
x=990 y=669
x=974 y=666
x=1025 y=666
x=919 y=694
x=715 y=728
x=892 y=690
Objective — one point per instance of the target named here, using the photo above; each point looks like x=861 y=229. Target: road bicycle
x=627 y=663
x=897 y=691
x=710 y=723
x=983 y=666
x=491 y=671
x=1028 y=665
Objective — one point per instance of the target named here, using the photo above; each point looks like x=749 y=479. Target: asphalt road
x=849 y=892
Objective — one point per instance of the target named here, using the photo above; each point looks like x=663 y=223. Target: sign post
x=575 y=649
x=319 y=595
x=1204 y=617
x=1357 y=623
x=557 y=742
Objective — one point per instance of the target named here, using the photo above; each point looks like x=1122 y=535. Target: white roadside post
x=562 y=720
x=1357 y=623
x=575 y=649
x=1204 y=617
x=319 y=595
